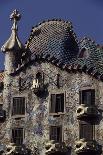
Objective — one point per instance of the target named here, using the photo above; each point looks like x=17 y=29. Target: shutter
x=84 y=97
x=13 y=136
x=53 y=103
x=60 y=134
x=86 y=131
x=92 y=97
x=23 y=105
x=17 y=135
x=56 y=133
x=52 y=133
x=88 y=97
x=80 y=97
x=14 y=106
x=20 y=83
x=18 y=107
x=62 y=102
x=58 y=103
x=58 y=80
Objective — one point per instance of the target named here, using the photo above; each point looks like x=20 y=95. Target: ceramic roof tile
x=55 y=41
x=55 y=38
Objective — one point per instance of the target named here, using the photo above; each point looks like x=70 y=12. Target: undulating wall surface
x=38 y=120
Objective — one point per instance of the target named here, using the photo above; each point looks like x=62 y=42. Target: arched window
x=84 y=53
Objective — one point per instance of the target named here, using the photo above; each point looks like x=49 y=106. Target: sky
x=86 y=17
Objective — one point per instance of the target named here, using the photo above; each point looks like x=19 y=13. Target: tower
x=12 y=49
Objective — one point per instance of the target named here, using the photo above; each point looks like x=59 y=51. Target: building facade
x=52 y=92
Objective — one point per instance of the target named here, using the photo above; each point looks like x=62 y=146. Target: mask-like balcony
x=17 y=150
x=53 y=147
x=2 y=115
x=84 y=111
x=83 y=146
x=37 y=86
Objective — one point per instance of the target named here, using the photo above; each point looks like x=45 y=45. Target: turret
x=13 y=48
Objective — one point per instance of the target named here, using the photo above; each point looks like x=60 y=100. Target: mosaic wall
x=38 y=119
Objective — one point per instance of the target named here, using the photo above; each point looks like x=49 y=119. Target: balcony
x=17 y=150
x=84 y=111
x=53 y=147
x=37 y=87
x=2 y=115
x=83 y=146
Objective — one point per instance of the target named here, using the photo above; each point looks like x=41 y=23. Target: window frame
x=56 y=93
x=84 y=130
x=23 y=134
x=61 y=132
x=18 y=115
x=81 y=96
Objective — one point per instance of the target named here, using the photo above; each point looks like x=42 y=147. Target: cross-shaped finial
x=15 y=15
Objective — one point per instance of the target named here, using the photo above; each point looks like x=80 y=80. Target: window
x=58 y=80
x=17 y=136
x=39 y=78
x=1 y=87
x=18 y=107
x=86 y=130
x=84 y=53
x=57 y=103
x=20 y=83
x=87 y=97
x=1 y=106
x=56 y=133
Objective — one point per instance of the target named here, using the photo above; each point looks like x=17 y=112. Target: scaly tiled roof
x=53 y=39
x=93 y=62
x=1 y=76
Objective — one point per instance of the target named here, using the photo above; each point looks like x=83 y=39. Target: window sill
x=18 y=116
x=58 y=113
